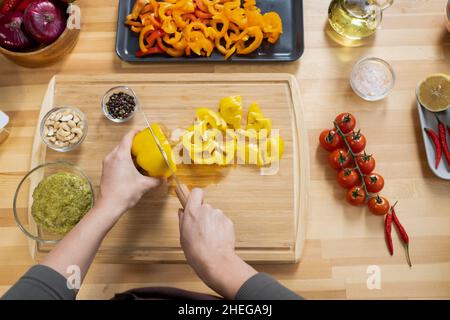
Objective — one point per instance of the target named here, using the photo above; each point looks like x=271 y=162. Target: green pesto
x=60 y=201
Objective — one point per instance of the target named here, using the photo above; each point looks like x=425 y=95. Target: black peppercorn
x=120 y=105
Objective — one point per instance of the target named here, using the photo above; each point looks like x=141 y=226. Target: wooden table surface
x=342 y=242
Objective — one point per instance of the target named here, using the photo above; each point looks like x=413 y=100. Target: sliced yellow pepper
x=231 y=111
x=257 y=121
x=148 y=155
x=212 y=119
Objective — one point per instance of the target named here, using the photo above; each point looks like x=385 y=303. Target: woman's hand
x=208 y=240
x=122 y=186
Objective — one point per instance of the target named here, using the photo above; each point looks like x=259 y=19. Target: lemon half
x=434 y=92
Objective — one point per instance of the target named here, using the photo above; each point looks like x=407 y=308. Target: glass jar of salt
x=372 y=79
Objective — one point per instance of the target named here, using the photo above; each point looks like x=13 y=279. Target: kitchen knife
x=181 y=190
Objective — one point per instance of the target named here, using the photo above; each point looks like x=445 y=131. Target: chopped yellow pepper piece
x=231 y=110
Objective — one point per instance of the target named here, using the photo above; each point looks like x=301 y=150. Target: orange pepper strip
x=220 y=18
x=137 y=8
x=143 y=35
x=201 y=5
x=175 y=39
x=202 y=15
x=155 y=6
x=155 y=22
x=230 y=53
x=136 y=29
x=255 y=32
x=170 y=51
x=133 y=23
x=147 y=8
x=181 y=45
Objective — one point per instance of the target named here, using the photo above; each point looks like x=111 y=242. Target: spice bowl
x=372 y=79
x=63 y=128
x=119 y=104
x=23 y=200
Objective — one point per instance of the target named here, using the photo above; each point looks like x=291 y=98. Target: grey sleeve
x=40 y=283
x=263 y=287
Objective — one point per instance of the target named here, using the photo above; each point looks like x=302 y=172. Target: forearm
x=228 y=276
x=80 y=245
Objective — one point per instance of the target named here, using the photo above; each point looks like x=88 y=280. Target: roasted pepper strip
x=142 y=36
x=255 y=32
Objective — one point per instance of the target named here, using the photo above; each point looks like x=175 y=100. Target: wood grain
x=340 y=241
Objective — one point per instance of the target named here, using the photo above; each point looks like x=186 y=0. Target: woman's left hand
x=122 y=186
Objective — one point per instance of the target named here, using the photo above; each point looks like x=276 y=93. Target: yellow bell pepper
x=207 y=147
x=147 y=154
x=257 y=121
x=212 y=119
x=231 y=111
x=271 y=150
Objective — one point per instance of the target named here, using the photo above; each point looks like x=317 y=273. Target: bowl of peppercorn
x=119 y=104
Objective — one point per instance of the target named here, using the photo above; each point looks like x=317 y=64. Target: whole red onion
x=44 y=21
x=12 y=34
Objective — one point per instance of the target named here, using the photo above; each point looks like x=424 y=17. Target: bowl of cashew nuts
x=63 y=128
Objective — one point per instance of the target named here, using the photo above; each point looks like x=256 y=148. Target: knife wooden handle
x=182 y=192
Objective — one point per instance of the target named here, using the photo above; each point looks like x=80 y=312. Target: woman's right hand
x=208 y=240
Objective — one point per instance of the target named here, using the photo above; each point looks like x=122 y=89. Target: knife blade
x=181 y=189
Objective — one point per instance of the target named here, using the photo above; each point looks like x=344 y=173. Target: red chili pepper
x=403 y=234
x=24 y=4
x=443 y=140
x=437 y=145
x=388 y=231
x=9 y=5
x=448 y=129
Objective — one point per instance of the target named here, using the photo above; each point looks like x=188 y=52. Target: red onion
x=12 y=35
x=44 y=21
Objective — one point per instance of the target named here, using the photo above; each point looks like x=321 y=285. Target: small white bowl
x=372 y=72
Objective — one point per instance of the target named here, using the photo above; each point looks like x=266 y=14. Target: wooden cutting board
x=268 y=211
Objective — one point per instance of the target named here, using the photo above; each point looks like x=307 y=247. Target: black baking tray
x=289 y=47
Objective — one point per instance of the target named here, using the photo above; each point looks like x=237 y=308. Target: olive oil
x=353 y=21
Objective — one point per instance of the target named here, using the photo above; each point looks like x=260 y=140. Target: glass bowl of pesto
x=51 y=199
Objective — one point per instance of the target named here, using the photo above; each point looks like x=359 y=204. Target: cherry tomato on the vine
x=330 y=140
x=346 y=122
x=356 y=141
x=348 y=178
x=356 y=196
x=339 y=159
x=374 y=182
x=366 y=163
x=379 y=206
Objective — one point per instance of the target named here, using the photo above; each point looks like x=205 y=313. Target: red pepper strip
x=448 y=129
x=437 y=145
x=153 y=36
x=443 y=140
x=403 y=234
x=388 y=232
x=150 y=51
